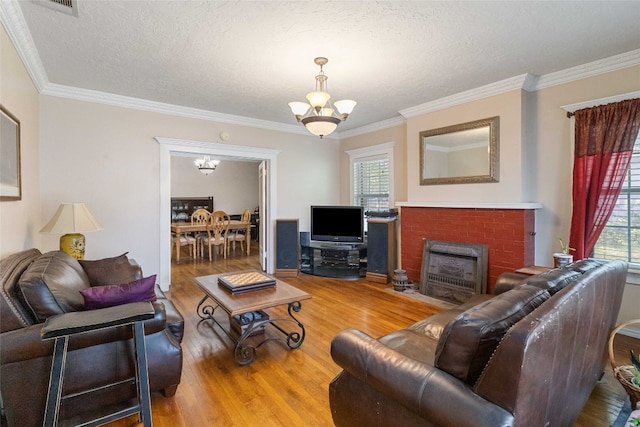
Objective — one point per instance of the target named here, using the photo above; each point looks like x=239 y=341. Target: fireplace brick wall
x=507 y=232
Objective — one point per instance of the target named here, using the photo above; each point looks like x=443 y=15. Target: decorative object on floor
x=560 y=259
x=401 y=281
x=72 y=219
x=10 y=181
x=625 y=374
x=320 y=117
x=206 y=165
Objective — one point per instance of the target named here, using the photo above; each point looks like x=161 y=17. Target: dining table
x=178 y=228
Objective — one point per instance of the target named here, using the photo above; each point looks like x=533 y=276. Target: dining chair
x=200 y=217
x=239 y=235
x=217 y=228
x=184 y=240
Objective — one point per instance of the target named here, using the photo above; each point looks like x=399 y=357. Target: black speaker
x=287 y=247
x=381 y=249
x=305 y=238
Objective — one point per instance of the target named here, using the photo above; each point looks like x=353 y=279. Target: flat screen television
x=337 y=224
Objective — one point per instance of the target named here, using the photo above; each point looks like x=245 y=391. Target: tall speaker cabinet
x=287 y=248
x=381 y=249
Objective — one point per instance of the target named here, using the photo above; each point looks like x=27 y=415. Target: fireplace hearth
x=453 y=271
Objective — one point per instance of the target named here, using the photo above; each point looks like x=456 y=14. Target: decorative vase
x=400 y=280
x=561 y=259
x=73 y=244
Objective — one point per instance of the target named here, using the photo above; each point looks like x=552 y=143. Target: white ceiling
x=250 y=58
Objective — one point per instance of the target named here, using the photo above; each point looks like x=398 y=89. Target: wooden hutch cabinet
x=183 y=207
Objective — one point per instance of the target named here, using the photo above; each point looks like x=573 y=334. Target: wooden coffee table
x=244 y=304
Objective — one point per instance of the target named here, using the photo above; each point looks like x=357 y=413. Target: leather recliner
x=34 y=286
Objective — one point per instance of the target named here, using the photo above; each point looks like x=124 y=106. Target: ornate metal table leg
x=205 y=311
x=245 y=353
x=294 y=339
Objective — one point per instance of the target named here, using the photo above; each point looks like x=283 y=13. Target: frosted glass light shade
x=328 y=112
x=72 y=218
x=318 y=99
x=345 y=106
x=321 y=125
x=299 y=108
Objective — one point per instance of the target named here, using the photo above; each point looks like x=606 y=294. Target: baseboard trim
x=286 y=272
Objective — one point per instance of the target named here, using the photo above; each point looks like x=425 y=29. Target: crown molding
x=606 y=65
x=16 y=27
x=88 y=95
x=373 y=127
x=523 y=81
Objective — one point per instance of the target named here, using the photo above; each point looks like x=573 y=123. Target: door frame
x=172 y=146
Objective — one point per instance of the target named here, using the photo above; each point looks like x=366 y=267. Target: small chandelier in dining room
x=206 y=165
x=319 y=116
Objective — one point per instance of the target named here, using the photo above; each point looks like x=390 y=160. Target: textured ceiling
x=251 y=58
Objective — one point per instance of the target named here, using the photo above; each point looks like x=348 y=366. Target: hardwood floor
x=284 y=387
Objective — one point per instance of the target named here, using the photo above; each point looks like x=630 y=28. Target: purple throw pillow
x=110 y=295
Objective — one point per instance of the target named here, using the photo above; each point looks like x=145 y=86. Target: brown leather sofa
x=529 y=356
x=34 y=286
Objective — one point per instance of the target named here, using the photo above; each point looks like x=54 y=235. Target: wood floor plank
x=285 y=387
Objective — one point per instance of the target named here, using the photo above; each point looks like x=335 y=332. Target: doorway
x=179 y=147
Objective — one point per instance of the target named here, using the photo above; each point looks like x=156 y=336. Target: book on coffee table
x=246 y=281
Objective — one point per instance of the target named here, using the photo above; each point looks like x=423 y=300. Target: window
x=372 y=177
x=371 y=184
x=620 y=238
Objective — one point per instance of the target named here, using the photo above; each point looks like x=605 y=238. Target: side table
x=533 y=270
x=63 y=326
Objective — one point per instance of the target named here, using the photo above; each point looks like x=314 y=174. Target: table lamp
x=72 y=219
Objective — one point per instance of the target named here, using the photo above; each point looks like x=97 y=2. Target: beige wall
x=509 y=189
x=233 y=185
x=20 y=221
x=396 y=134
x=107 y=157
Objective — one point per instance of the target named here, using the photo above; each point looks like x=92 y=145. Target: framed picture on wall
x=10 y=181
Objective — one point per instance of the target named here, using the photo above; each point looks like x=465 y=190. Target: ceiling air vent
x=70 y=7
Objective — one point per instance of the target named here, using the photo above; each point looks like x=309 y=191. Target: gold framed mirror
x=460 y=154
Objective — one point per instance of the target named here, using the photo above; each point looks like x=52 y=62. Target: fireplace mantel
x=470 y=205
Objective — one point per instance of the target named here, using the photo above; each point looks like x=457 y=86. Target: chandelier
x=206 y=165
x=319 y=116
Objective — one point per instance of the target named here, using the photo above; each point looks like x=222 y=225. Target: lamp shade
x=321 y=125
x=345 y=106
x=71 y=218
x=299 y=108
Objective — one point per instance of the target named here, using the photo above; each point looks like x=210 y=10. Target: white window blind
x=371 y=183
x=620 y=238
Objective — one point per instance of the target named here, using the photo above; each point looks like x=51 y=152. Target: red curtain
x=604 y=139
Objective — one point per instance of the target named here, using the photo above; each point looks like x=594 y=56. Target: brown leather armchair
x=35 y=285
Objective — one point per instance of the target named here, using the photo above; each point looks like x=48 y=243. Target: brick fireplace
x=508 y=231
